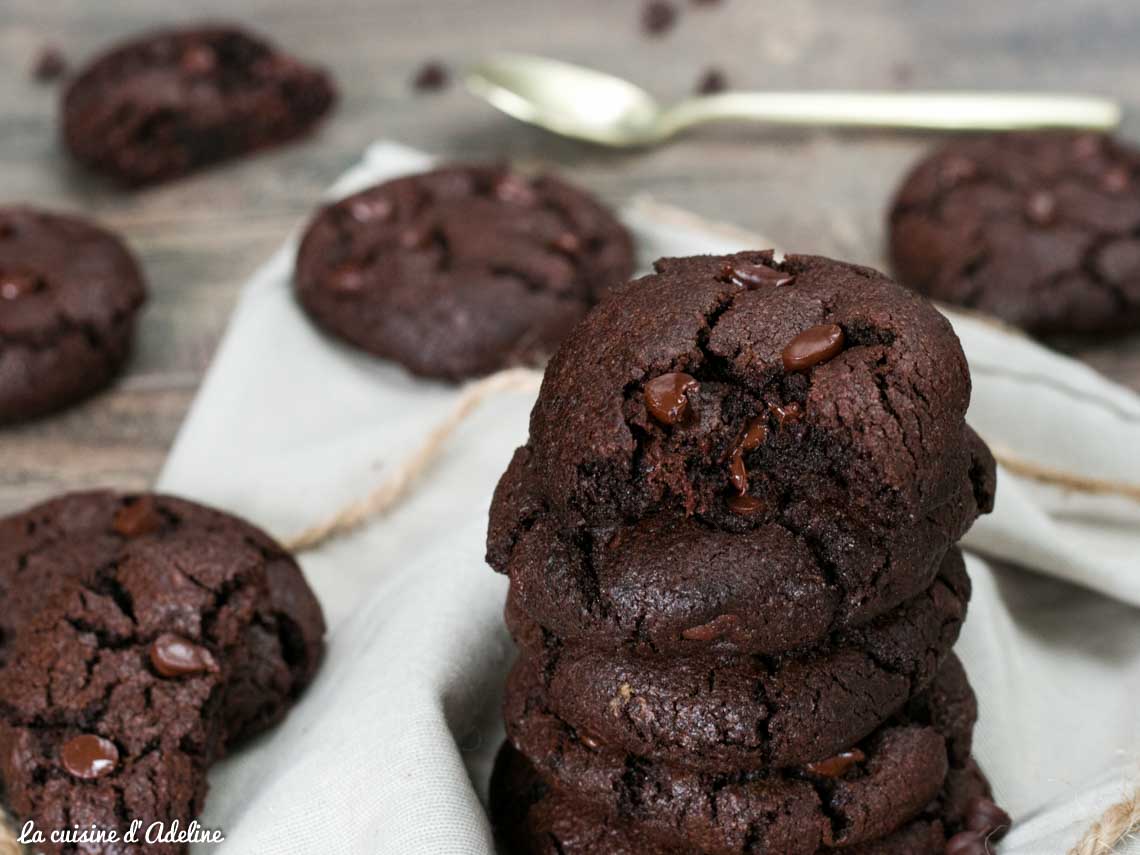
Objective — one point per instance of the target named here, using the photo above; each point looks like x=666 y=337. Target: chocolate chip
x=174 y=656
x=589 y=740
x=137 y=518
x=369 y=208
x=966 y=843
x=718 y=627
x=198 y=60
x=788 y=413
x=89 y=757
x=813 y=346
x=737 y=473
x=1041 y=208
x=514 y=188
x=658 y=17
x=667 y=396
x=417 y=236
x=986 y=818
x=569 y=243
x=746 y=506
x=347 y=278
x=50 y=64
x=14 y=285
x=431 y=77
x=752 y=276
x=755 y=432
x=957 y=169
x=1116 y=180
x=837 y=766
x=712 y=82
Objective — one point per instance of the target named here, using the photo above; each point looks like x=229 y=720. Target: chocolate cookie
x=533 y=817
x=670 y=583
x=726 y=713
x=141 y=637
x=69 y=294
x=731 y=388
x=861 y=795
x=1041 y=229
x=460 y=271
x=169 y=102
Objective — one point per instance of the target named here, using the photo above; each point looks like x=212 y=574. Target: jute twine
x=1117 y=823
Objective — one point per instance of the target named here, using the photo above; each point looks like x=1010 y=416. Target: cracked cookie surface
x=460 y=271
x=142 y=636
x=722 y=713
x=69 y=294
x=885 y=782
x=1039 y=229
x=169 y=102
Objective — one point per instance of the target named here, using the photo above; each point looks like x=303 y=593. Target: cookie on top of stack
x=734 y=580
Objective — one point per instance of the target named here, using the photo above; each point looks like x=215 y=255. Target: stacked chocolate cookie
x=734 y=581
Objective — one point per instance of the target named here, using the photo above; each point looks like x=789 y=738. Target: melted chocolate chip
x=1041 y=208
x=788 y=413
x=966 y=843
x=589 y=740
x=746 y=506
x=755 y=432
x=515 y=189
x=137 y=518
x=569 y=243
x=89 y=757
x=837 y=766
x=737 y=473
x=753 y=276
x=431 y=77
x=667 y=396
x=14 y=285
x=986 y=818
x=173 y=656
x=718 y=627
x=347 y=278
x=813 y=346
x=712 y=82
x=658 y=17
x=199 y=60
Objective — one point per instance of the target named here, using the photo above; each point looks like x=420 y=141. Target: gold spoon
x=589 y=105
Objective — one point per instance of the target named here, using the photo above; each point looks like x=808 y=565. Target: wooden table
x=818 y=191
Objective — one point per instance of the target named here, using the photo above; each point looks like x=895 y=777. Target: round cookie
x=721 y=714
x=532 y=817
x=142 y=636
x=867 y=793
x=460 y=271
x=671 y=584
x=1039 y=229
x=166 y=103
x=69 y=294
x=726 y=388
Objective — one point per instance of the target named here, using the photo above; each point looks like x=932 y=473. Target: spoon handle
x=942 y=111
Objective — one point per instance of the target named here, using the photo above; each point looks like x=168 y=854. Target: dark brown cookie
x=69 y=294
x=1040 y=229
x=863 y=795
x=533 y=817
x=460 y=271
x=670 y=583
x=141 y=637
x=169 y=102
x=727 y=713
x=729 y=388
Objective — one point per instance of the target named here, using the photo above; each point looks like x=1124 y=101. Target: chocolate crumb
x=432 y=77
x=711 y=82
x=50 y=64
x=658 y=17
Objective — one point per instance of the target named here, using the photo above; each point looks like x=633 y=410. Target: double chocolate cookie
x=142 y=636
x=726 y=713
x=69 y=294
x=1040 y=229
x=170 y=102
x=861 y=795
x=460 y=271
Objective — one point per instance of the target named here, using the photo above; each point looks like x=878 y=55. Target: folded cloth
x=390 y=750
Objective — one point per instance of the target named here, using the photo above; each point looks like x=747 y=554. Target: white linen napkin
x=390 y=749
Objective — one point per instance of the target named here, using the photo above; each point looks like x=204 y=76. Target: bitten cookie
x=69 y=294
x=141 y=637
x=169 y=102
x=858 y=796
x=460 y=271
x=1040 y=229
x=722 y=714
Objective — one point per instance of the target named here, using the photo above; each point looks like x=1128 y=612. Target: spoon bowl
x=600 y=108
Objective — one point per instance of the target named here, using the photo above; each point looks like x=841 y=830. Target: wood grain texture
x=816 y=192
